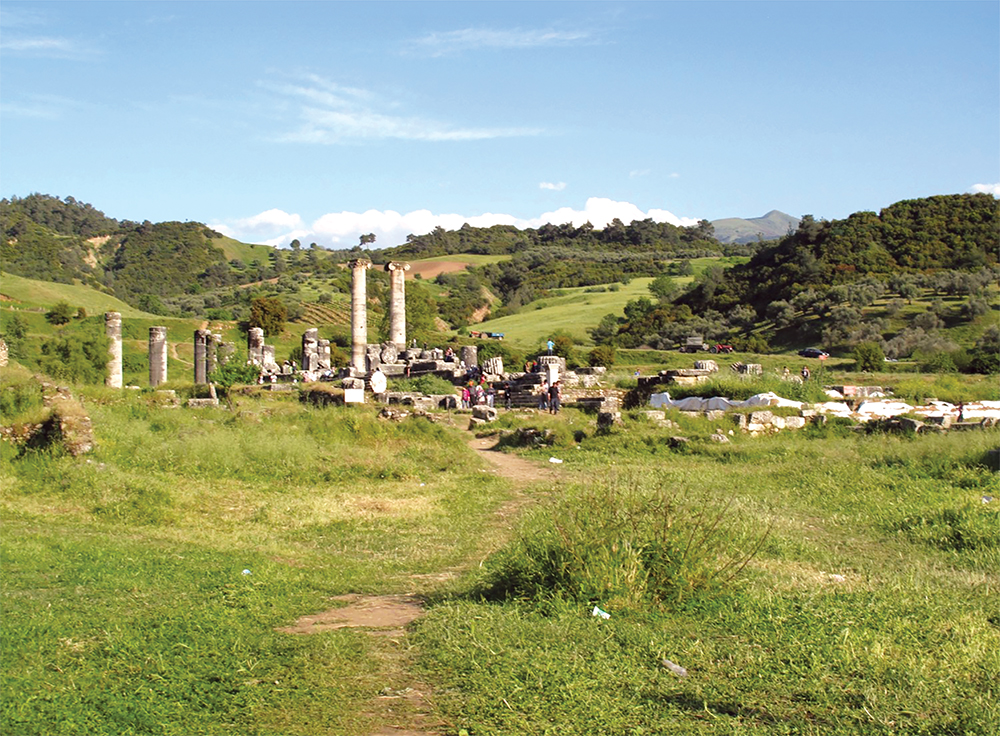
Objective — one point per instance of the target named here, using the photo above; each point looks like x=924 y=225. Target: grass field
x=567 y=310
x=32 y=294
x=144 y=583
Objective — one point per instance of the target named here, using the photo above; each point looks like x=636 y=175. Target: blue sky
x=325 y=120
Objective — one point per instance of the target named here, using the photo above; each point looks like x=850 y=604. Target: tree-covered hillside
x=952 y=232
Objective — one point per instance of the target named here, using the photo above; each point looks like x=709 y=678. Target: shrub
x=602 y=355
x=60 y=314
x=868 y=357
x=624 y=542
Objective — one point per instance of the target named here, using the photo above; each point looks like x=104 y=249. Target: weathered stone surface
x=714 y=415
x=486 y=413
x=157 y=356
x=778 y=422
x=113 y=330
x=795 y=422
x=470 y=355
x=740 y=420
x=201 y=403
x=389 y=353
x=707 y=365
x=910 y=425
x=761 y=417
x=720 y=438
x=4 y=353
x=353 y=383
x=493 y=365
x=654 y=415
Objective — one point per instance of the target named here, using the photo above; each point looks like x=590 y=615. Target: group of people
x=474 y=394
x=550 y=397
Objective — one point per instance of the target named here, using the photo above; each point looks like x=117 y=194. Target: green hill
x=38 y=295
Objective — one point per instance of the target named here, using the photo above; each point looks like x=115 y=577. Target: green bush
x=869 y=358
x=602 y=355
x=624 y=543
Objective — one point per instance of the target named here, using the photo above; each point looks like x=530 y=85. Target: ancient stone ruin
x=113 y=329
x=157 y=356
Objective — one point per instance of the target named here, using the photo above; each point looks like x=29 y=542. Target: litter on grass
x=602 y=614
x=555 y=460
x=675 y=668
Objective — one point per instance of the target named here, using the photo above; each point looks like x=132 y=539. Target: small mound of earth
x=390 y=613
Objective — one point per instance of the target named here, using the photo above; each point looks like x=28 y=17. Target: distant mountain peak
x=775 y=224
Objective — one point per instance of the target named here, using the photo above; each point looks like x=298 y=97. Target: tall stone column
x=113 y=329
x=397 y=303
x=211 y=353
x=359 y=313
x=201 y=340
x=157 y=356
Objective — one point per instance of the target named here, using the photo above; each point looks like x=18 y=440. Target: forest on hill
x=909 y=278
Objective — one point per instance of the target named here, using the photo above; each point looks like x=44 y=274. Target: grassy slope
x=246 y=252
x=574 y=310
x=36 y=294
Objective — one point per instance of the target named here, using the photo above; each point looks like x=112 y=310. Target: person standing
x=543 y=396
x=554 y=397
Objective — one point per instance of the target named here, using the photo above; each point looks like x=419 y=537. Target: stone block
x=354 y=395
x=740 y=420
x=486 y=413
x=719 y=438
x=778 y=422
x=761 y=417
x=656 y=416
x=714 y=415
x=795 y=422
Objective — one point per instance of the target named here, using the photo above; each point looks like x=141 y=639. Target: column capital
x=397 y=266
x=359 y=263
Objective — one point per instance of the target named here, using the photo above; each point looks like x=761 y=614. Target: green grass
x=567 y=310
x=126 y=609
x=868 y=608
x=860 y=614
x=34 y=294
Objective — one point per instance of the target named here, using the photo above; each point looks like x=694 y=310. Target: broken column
x=359 y=314
x=255 y=345
x=323 y=351
x=201 y=340
x=157 y=356
x=113 y=329
x=211 y=353
x=397 y=303
x=470 y=355
x=310 y=350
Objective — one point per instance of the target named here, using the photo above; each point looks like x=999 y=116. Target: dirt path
x=404 y=706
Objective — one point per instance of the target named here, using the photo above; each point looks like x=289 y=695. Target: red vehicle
x=720 y=348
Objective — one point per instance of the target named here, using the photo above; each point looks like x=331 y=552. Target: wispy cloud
x=993 y=189
x=552 y=186
x=342 y=229
x=50 y=47
x=467 y=39
x=40 y=107
x=329 y=113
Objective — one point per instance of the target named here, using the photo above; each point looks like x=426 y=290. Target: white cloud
x=450 y=42
x=993 y=189
x=552 y=186
x=343 y=229
x=329 y=113
x=635 y=173
x=47 y=47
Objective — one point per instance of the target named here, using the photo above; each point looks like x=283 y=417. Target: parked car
x=814 y=353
